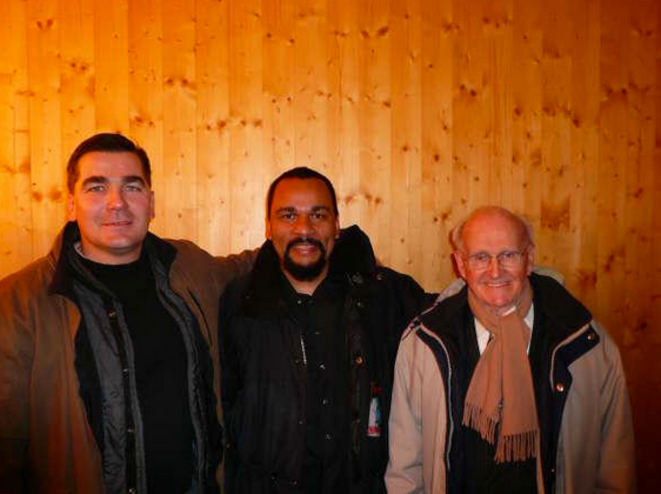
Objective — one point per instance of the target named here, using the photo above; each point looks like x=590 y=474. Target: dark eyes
x=314 y=216
x=103 y=187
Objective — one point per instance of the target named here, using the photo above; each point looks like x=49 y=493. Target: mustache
x=305 y=240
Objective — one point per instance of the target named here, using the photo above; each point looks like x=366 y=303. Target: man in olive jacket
x=308 y=342
x=106 y=378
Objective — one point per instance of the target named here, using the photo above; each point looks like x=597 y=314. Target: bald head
x=494 y=254
x=483 y=217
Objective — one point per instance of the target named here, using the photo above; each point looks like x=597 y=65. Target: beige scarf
x=501 y=394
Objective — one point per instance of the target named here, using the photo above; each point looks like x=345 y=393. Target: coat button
x=560 y=387
x=132 y=490
x=112 y=314
x=359 y=360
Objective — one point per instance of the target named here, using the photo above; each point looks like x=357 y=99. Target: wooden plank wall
x=418 y=110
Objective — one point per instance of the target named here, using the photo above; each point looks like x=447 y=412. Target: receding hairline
x=301 y=173
x=105 y=142
x=456 y=236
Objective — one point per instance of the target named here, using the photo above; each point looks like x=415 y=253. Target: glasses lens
x=479 y=262
x=510 y=259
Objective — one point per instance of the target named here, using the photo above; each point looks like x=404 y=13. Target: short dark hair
x=304 y=173
x=109 y=143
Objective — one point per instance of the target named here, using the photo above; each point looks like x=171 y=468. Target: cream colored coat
x=595 y=451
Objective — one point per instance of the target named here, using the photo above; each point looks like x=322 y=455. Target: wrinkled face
x=112 y=205
x=303 y=227
x=495 y=234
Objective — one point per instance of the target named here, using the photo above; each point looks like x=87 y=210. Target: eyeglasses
x=507 y=259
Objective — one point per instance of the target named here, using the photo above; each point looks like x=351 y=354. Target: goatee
x=304 y=272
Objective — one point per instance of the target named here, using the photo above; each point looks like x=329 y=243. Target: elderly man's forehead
x=494 y=220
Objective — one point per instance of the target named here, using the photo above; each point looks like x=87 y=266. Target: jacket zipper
x=303 y=353
x=449 y=397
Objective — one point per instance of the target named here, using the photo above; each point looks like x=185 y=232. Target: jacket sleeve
x=16 y=352
x=227 y=346
x=234 y=266
x=405 y=471
x=617 y=468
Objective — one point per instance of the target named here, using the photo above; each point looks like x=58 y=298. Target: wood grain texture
x=418 y=110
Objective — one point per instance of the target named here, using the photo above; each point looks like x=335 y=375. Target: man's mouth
x=305 y=246
x=497 y=283
x=117 y=223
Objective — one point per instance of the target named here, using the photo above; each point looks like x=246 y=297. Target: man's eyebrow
x=292 y=209
x=133 y=178
x=100 y=179
x=286 y=209
x=94 y=179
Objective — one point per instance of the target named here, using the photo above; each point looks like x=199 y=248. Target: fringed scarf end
x=475 y=418
x=518 y=447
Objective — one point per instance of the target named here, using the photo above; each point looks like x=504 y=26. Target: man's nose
x=116 y=199
x=494 y=267
x=303 y=224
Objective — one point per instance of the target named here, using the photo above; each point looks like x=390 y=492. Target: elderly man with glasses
x=509 y=385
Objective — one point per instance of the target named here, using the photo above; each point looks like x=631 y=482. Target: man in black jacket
x=307 y=346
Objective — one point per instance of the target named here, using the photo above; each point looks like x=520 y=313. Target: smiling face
x=303 y=227
x=113 y=206
x=493 y=232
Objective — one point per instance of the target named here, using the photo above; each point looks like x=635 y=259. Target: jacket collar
x=553 y=303
x=558 y=306
x=352 y=258
x=63 y=256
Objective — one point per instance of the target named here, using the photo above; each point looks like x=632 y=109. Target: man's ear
x=267 y=228
x=152 y=206
x=71 y=208
x=531 y=259
x=459 y=261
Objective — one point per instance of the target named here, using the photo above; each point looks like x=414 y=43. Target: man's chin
x=308 y=271
x=303 y=262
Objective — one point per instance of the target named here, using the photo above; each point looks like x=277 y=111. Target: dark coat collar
x=553 y=303
x=557 y=305
x=63 y=256
x=352 y=255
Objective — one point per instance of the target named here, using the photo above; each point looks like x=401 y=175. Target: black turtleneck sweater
x=161 y=374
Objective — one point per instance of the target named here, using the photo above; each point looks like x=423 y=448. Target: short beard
x=301 y=272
